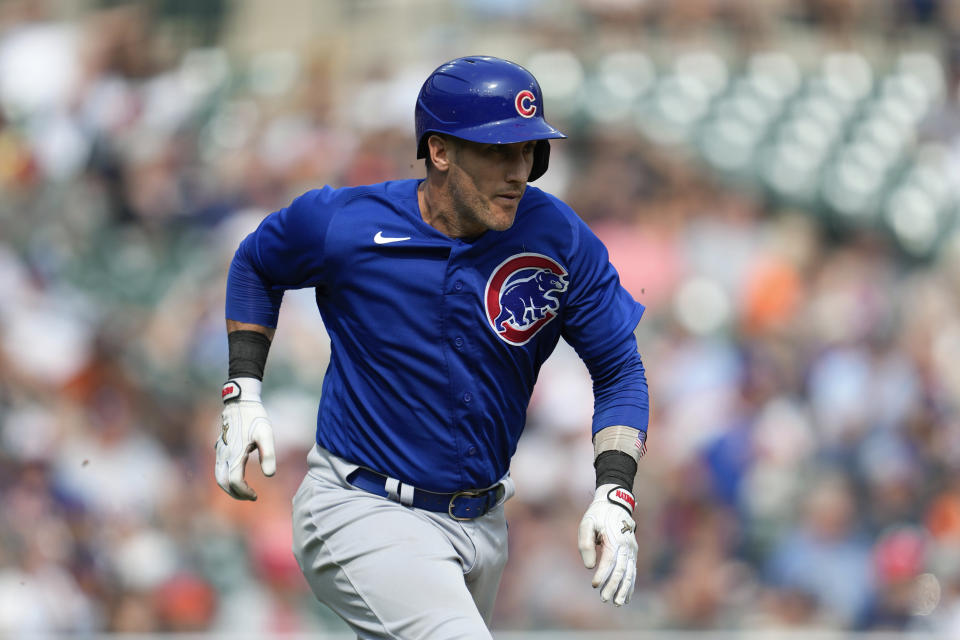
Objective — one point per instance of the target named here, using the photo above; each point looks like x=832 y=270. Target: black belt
x=460 y=505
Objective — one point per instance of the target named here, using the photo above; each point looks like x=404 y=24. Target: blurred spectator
x=825 y=557
x=899 y=557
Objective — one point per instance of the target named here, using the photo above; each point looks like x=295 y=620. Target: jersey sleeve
x=286 y=251
x=599 y=321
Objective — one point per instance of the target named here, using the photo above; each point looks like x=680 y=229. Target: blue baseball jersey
x=436 y=342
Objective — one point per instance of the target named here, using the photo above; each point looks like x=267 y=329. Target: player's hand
x=244 y=427
x=609 y=523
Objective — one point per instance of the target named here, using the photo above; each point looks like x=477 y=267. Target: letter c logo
x=524 y=103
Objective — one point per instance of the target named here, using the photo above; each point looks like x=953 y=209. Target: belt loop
x=392 y=485
x=406 y=495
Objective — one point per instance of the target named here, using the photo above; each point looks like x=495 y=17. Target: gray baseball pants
x=392 y=571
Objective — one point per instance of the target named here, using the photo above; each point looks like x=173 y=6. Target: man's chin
x=502 y=218
x=502 y=223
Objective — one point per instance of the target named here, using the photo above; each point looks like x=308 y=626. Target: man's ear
x=440 y=150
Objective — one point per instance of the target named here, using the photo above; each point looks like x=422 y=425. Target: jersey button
x=458 y=285
x=458 y=341
x=472 y=451
x=467 y=397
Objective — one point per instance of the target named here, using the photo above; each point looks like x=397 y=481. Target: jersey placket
x=459 y=328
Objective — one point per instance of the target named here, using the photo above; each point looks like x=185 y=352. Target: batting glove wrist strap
x=241 y=388
x=244 y=428
x=608 y=523
x=623 y=498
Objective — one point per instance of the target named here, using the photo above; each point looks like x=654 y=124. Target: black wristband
x=248 y=354
x=615 y=467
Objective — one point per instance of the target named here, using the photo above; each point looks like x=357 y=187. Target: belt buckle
x=468 y=493
x=497 y=490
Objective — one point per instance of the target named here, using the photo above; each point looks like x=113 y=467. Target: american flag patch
x=641 y=443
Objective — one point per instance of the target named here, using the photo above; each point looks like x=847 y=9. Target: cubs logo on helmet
x=521 y=296
x=525 y=103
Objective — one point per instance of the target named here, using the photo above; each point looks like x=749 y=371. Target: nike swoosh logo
x=381 y=239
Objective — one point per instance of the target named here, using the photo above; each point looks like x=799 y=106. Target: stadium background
x=777 y=181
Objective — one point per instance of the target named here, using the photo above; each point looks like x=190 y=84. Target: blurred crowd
x=804 y=450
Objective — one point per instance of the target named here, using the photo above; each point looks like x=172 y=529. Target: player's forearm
x=621 y=414
x=252 y=309
x=616 y=451
x=618 y=448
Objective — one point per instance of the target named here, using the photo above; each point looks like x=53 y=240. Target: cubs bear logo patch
x=521 y=296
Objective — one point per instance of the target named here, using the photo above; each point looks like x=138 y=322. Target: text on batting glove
x=244 y=427
x=608 y=523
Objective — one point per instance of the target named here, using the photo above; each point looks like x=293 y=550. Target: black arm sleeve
x=248 y=354
x=615 y=467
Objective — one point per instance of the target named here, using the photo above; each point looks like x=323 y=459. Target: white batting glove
x=609 y=523
x=245 y=427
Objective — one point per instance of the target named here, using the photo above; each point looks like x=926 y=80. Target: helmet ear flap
x=541 y=159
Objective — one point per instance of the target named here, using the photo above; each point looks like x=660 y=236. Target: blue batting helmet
x=487 y=100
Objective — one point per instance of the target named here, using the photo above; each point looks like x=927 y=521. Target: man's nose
x=519 y=166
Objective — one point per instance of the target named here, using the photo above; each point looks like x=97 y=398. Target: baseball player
x=442 y=297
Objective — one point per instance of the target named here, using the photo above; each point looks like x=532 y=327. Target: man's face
x=486 y=183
